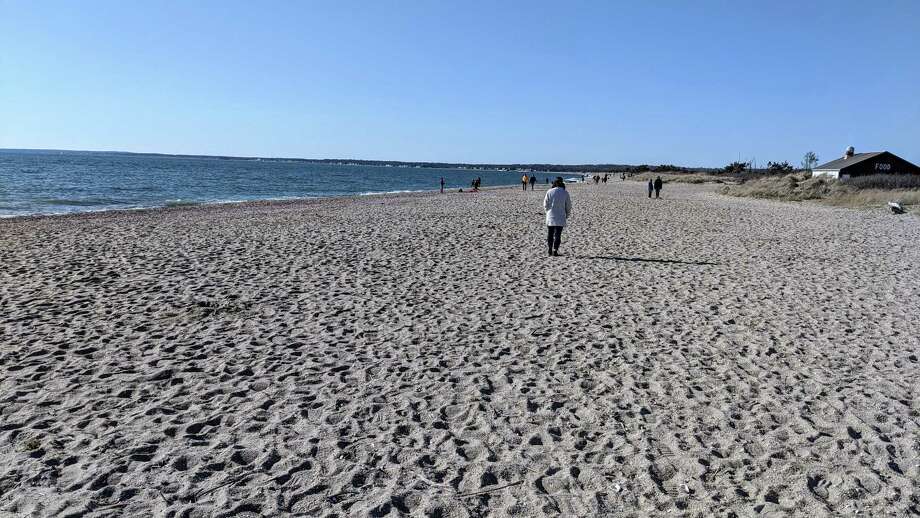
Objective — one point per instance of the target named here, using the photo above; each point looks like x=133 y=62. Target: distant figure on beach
x=558 y=207
x=546 y=179
x=478 y=183
x=605 y=178
x=658 y=184
x=524 y=181
x=651 y=187
x=442 y=185
x=533 y=181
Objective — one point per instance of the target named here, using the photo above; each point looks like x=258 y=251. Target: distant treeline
x=552 y=168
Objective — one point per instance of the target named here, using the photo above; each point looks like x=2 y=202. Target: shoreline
x=218 y=205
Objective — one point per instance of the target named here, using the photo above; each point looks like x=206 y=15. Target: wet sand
x=421 y=355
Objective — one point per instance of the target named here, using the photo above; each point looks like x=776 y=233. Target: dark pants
x=649 y=193
x=656 y=192
x=553 y=237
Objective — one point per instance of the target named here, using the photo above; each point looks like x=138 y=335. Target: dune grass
x=799 y=187
x=675 y=177
x=876 y=198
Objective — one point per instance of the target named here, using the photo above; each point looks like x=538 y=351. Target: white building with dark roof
x=864 y=164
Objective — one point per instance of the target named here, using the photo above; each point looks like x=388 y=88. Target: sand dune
x=420 y=355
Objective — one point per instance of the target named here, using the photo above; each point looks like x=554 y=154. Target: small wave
x=32 y=213
x=135 y=188
x=374 y=193
x=82 y=202
x=272 y=198
x=180 y=203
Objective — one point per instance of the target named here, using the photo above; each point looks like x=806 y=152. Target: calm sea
x=57 y=182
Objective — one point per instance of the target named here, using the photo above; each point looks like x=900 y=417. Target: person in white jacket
x=558 y=207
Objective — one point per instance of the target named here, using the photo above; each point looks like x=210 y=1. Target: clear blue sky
x=694 y=83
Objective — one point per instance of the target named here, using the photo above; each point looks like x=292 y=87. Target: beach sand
x=421 y=355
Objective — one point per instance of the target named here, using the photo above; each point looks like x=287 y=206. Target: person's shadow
x=641 y=260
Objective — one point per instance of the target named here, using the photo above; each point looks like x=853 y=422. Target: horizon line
x=252 y=157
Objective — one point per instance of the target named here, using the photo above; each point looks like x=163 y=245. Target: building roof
x=840 y=163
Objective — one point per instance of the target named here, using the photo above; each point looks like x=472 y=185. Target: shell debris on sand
x=419 y=354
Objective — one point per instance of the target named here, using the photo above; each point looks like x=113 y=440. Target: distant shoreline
x=509 y=167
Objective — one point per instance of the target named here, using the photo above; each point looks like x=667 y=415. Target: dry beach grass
x=678 y=177
x=419 y=355
x=854 y=194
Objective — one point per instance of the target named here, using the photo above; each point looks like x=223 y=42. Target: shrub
x=779 y=167
x=737 y=167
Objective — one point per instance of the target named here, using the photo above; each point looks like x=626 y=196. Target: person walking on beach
x=533 y=181
x=651 y=187
x=558 y=207
x=658 y=184
x=478 y=183
x=524 y=181
x=442 y=185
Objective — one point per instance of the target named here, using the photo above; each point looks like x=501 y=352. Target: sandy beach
x=420 y=355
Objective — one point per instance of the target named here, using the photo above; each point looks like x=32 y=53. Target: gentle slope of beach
x=420 y=355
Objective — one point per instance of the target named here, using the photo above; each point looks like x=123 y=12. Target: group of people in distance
x=598 y=178
x=557 y=204
x=475 y=184
x=532 y=180
x=655 y=186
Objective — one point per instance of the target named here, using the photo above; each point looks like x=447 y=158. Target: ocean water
x=58 y=182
